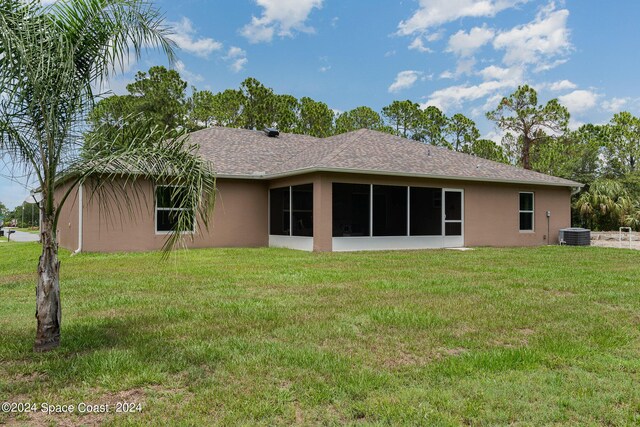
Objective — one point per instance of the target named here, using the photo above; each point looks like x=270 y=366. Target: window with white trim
x=170 y=202
x=526 y=211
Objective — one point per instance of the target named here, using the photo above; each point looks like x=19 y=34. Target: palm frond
x=116 y=170
x=50 y=58
x=103 y=34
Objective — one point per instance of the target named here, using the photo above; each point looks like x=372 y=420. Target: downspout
x=77 y=251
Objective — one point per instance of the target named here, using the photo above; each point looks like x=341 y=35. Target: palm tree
x=606 y=206
x=50 y=59
x=633 y=218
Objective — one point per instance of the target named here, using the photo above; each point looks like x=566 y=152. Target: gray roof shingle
x=245 y=153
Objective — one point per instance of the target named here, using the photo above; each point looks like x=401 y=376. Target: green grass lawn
x=266 y=336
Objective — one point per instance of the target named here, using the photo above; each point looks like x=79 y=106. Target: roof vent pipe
x=271 y=132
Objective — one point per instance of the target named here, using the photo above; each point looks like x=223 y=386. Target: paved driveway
x=21 y=236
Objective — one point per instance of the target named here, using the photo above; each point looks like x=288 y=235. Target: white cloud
x=615 y=105
x=404 y=80
x=497 y=80
x=433 y=13
x=465 y=44
x=418 y=44
x=538 y=41
x=326 y=66
x=235 y=52
x=496 y=135
x=454 y=96
x=545 y=66
x=579 y=101
x=433 y=37
x=494 y=72
x=538 y=45
x=562 y=85
x=186 y=74
x=184 y=36
x=280 y=17
x=492 y=102
x=575 y=124
x=237 y=57
x=446 y=75
x=465 y=66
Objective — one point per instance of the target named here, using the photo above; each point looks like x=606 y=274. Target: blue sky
x=460 y=55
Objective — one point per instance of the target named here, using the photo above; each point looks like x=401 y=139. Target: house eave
x=302 y=171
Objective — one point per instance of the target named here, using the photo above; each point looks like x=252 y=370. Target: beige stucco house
x=361 y=190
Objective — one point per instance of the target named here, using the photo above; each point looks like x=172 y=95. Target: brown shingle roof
x=245 y=153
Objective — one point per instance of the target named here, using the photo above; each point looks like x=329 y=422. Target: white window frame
x=532 y=212
x=155 y=213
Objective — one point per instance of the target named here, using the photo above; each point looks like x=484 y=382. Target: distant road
x=21 y=236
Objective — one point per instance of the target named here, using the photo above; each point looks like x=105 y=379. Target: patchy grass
x=267 y=336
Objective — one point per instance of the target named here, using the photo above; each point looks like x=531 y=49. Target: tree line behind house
x=536 y=136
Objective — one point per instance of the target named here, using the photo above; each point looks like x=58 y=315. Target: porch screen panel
x=453 y=229
x=279 y=208
x=302 y=213
x=389 y=210
x=351 y=209
x=426 y=211
x=453 y=212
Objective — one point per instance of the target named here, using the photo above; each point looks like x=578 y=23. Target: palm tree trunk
x=48 y=311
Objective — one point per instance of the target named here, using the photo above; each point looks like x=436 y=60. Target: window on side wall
x=170 y=204
x=526 y=211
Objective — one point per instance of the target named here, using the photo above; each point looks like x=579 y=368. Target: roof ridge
x=457 y=153
x=293 y=156
x=338 y=150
